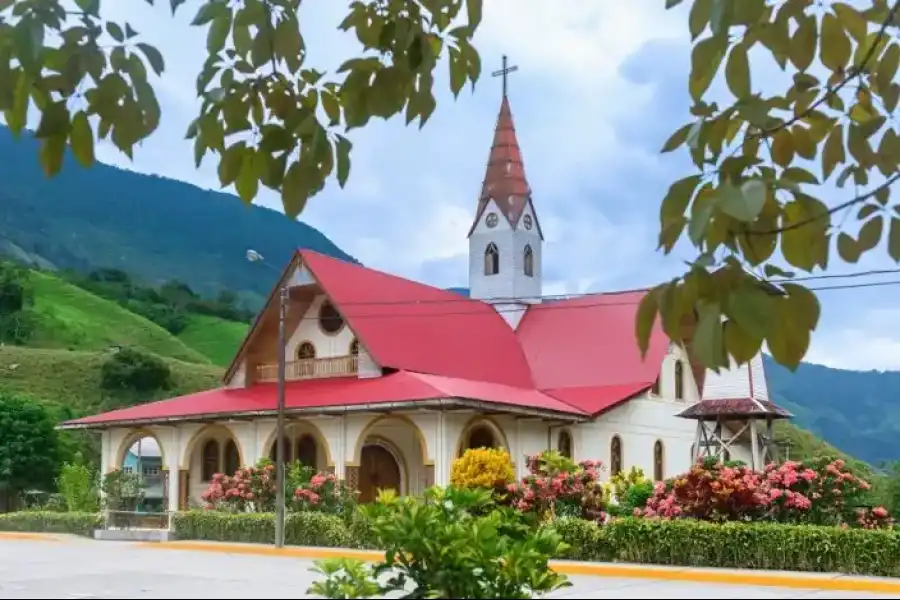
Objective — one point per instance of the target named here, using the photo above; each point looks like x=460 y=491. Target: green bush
x=770 y=546
x=51 y=522
x=300 y=529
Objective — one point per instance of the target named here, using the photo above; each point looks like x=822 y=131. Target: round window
x=492 y=220
x=330 y=320
x=528 y=222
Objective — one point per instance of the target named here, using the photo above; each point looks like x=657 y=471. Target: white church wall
x=736 y=381
x=639 y=424
x=194 y=436
x=667 y=386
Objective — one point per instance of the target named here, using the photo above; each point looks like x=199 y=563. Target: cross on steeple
x=504 y=72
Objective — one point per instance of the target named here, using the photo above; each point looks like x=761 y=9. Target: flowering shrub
x=874 y=518
x=619 y=484
x=325 y=493
x=250 y=489
x=558 y=487
x=484 y=468
x=822 y=492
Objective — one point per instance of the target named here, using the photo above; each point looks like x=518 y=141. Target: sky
x=601 y=85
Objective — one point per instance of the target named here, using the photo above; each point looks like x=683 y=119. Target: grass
x=68 y=317
x=215 y=338
x=70 y=379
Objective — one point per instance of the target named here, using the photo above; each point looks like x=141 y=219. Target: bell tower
x=505 y=239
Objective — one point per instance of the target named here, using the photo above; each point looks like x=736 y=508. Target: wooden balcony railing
x=312 y=368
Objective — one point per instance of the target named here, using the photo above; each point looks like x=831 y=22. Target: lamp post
x=254 y=256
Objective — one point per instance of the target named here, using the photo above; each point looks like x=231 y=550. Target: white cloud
x=867 y=341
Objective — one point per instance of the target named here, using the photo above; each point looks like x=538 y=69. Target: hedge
x=300 y=529
x=770 y=546
x=51 y=522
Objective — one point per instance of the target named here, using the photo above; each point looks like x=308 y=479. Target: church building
x=389 y=380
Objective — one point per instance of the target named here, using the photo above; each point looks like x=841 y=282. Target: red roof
x=415 y=327
x=589 y=342
x=504 y=178
x=400 y=387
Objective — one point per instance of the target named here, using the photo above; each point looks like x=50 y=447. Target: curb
x=22 y=535
x=808 y=581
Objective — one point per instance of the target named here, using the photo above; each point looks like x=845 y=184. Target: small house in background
x=145 y=459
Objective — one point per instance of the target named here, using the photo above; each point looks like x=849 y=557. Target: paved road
x=87 y=569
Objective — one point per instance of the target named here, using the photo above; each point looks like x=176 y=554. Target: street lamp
x=254 y=256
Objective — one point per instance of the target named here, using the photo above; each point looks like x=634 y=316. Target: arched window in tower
x=615 y=455
x=210 y=460
x=232 y=458
x=491 y=259
x=306 y=354
x=658 y=470
x=564 y=444
x=679 y=380
x=354 y=347
x=529 y=261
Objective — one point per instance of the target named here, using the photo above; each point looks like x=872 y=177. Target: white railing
x=311 y=368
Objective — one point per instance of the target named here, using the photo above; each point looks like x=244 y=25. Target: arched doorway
x=379 y=469
x=142 y=470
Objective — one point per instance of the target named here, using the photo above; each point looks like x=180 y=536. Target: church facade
x=389 y=380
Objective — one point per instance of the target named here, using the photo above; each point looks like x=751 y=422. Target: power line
x=550 y=297
x=561 y=306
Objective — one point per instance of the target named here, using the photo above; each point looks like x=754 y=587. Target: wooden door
x=378 y=470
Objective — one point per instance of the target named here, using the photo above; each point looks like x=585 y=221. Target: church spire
x=504 y=179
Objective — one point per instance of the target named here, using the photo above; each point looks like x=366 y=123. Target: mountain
x=857 y=411
x=154 y=228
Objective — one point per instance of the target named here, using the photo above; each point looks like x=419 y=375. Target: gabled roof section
x=589 y=342
x=415 y=327
x=504 y=179
x=260 y=316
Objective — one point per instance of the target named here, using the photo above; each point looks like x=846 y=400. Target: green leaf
x=887 y=68
x=672 y=3
x=834 y=51
x=708 y=342
x=294 y=191
x=332 y=108
x=231 y=163
x=803 y=304
x=153 y=57
x=212 y=9
x=53 y=150
x=737 y=72
x=343 y=147
x=775 y=271
x=81 y=138
x=803 y=44
x=698 y=18
x=741 y=344
x=474 y=11
x=847 y=248
x=894 y=240
x=699 y=222
x=744 y=203
x=833 y=153
x=218 y=33
x=115 y=31
x=870 y=233
x=646 y=317
x=16 y=116
x=54 y=121
x=247 y=183
x=751 y=307
x=677 y=138
x=705 y=60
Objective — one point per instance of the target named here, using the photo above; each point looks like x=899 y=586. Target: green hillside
x=215 y=338
x=68 y=317
x=72 y=378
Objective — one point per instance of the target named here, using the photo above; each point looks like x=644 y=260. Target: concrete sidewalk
x=37 y=566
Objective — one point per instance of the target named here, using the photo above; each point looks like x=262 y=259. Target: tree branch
x=843 y=206
x=855 y=72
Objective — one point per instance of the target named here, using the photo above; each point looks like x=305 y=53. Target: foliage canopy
x=753 y=209
x=29 y=445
